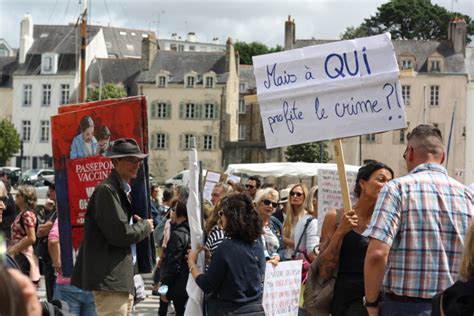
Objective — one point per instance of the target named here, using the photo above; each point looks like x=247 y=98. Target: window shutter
x=153 y=110
x=396 y=137
x=153 y=141
x=167 y=141
x=199 y=140
x=200 y=111
x=181 y=142
x=181 y=110
x=216 y=110
x=214 y=142
x=378 y=138
x=168 y=110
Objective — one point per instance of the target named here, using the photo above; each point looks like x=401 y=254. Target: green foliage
x=248 y=50
x=409 y=19
x=9 y=141
x=109 y=91
x=309 y=152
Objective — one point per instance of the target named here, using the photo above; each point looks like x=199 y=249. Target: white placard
x=329 y=91
x=207 y=190
x=281 y=290
x=233 y=178
x=213 y=176
x=329 y=191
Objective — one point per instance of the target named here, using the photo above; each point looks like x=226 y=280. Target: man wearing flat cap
x=105 y=263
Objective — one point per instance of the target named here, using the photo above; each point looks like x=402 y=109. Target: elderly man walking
x=105 y=263
x=417 y=231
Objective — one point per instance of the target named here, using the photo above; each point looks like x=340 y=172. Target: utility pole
x=82 y=88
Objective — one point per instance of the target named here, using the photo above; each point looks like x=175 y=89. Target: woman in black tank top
x=343 y=247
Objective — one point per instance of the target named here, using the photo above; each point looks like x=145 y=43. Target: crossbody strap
x=302 y=234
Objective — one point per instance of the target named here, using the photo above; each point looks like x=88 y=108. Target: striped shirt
x=424 y=217
x=214 y=239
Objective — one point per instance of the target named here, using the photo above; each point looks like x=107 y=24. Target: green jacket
x=104 y=262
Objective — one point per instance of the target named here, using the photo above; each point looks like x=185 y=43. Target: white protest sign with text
x=329 y=91
x=281 y=290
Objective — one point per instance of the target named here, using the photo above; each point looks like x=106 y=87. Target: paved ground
x=147 y=307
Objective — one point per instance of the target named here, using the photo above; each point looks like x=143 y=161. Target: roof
x=280 y=169
x=180 y=63
x=7 y=67
x=246 y=75
x=420 y=49
x=60 y=39
x=113 y=70
x=123 y=43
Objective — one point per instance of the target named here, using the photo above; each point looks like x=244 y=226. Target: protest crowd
x=405 y=248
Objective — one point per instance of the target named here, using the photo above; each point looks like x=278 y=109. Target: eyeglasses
x=298 y=194
x=249 y=186
x=268 y=202
x=133 y=160
x=220 y=213
x=405 y=154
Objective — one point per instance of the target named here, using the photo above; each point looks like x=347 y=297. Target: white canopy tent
x=281 y=169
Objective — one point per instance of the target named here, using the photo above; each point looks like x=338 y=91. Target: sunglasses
x=249 y=186
x=220 y=213
x=268 y=202
x=298 y=194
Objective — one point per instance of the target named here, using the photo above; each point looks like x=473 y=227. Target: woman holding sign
x=343 y=247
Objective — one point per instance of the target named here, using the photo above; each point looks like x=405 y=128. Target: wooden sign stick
x=341 y=169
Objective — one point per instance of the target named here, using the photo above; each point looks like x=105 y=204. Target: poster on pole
x=81 y=134
x=329 y=91
x=281 y=289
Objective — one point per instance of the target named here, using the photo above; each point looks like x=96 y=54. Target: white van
x=182 y=178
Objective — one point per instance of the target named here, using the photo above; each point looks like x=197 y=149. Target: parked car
x=13 y=174
x=32 y=175
x=41 y=189
x=181 y=179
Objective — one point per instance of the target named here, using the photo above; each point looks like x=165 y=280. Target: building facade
x=189 y=95
x=190 y=44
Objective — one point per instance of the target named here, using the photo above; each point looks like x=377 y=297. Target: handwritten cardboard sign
x=281 y=290
x=329 y=91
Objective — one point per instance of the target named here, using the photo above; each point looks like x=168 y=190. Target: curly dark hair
x=366 y=171
x=243 y=222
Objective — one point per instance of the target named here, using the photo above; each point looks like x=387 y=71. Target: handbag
x=306 y=261
x=318 y=293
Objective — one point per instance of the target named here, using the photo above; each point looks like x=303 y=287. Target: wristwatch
x=372 y=304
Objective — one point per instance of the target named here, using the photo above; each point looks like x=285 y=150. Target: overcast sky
x=243 y=20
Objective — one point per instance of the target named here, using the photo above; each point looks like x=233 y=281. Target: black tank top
x=352 y=255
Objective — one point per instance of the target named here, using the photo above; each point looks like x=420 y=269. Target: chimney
x=457 y=30
x=215 y=40
x=289 y=33
x=174 y=36
x=191 y=37
x=26 y=37
x=149 y=50
x=229 y=50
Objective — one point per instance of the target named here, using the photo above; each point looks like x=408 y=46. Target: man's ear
x=442 y=158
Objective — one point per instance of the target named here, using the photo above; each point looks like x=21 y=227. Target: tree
x=9 y=141
x=309 y=152
x=109 y=91
x=409 y=19
x=248 y=50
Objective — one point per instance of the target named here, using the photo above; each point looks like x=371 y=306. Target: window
x=187 y=141
x=160 y=110
x=242 y=107
x=180 y=48
x=192 y=48
x=209 y=111
x=46 y=95
x=435 y=66
x=209 y=82
x=47 y=64
x=242 y=131
x=406 y=94
x=242 y=87
x=190 y=110
x=173 y=47
x=370 y=138
x=208 y=142
x=402 y=136
x=64 y=94
x=434 y=95
x=159 y=141
x=27 y=92
x=407 y=64
x=190 y=80
x=44 y=132
x=25 y=131
x=161 y=81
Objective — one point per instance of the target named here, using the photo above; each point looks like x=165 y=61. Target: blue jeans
x=81 y=303
x=394 y=308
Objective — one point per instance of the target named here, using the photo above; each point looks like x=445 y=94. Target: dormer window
x=435 y=65
x=162 y=78
x=49 y=63
x=161 y=81
x=190 y=81
x=407 y=63
x=209 y=80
